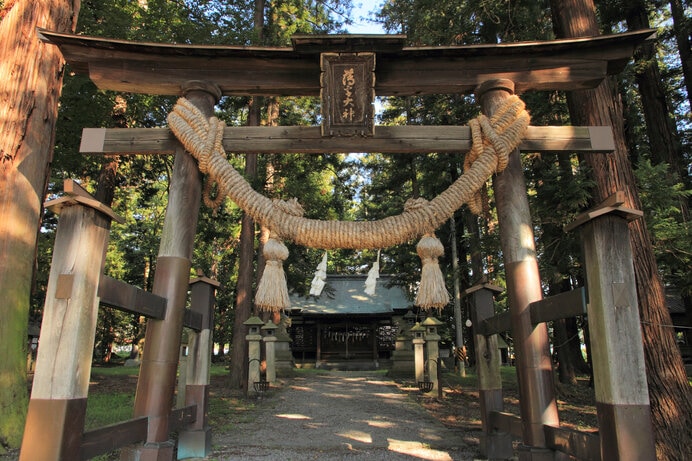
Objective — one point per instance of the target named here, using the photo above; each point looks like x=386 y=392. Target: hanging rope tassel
x=320 y=276
x=432 y=292
x=272 y=293
x=373 y=275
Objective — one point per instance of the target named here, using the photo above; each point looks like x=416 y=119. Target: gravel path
x=341 y=416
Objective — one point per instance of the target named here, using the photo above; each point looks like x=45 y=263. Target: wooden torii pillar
x=534 y=366
x=156 y=383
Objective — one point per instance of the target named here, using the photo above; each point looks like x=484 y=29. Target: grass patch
x=105 y=409
x=114 y=371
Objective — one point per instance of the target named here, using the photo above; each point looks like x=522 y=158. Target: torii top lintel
x=153 y=68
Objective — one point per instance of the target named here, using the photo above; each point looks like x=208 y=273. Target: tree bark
x=246 y=249
x=669 y=393
x=30 y=85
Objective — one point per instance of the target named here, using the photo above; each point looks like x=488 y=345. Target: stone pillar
x=253 y=338
x=157 y=374
x=55 y=418
x=432 y=344
x=534 y=366
x=195 y=440
x=418 y=353
x=269 y=343
x=403 y=357
x=284 y=356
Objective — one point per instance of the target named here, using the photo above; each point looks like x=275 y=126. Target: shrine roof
x=160 y=68
x=345 y=295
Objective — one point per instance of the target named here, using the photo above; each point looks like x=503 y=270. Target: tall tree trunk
x=671 y=402
x=566 y=370
x=30 y=85
x=246 y=253
x=682 y=27
x=246 y=260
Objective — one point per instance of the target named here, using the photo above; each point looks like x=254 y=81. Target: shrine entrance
x=348 y=71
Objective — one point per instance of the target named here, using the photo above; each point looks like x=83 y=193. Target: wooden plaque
x=348 y=91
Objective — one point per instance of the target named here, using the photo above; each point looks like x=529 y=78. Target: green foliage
x=662 y=199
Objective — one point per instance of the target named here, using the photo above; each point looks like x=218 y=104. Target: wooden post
x=195 y=440
x=617 y=353
x=55 y=419
x=493 y=444
x=156 y=384
x=534 y=367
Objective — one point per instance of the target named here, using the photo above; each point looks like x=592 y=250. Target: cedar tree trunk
x=669 y=391
x=30 y=85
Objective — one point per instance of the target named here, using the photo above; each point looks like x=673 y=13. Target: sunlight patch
x=381 y=424
x=302 y=388
x=338 y=396
x=394 y=396
x=358 y=436
x=292 y=416
x=417 y=450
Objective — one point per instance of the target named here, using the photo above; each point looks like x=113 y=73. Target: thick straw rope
x=493 y=140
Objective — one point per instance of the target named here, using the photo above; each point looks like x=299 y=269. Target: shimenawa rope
x=492 y=141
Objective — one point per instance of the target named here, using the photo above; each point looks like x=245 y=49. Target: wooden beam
x=580 y=444
x=506 y=422
x=180 y=417
x=561 y=306
x=155 y=68
x=387 y=139
x=496 y=324
x=110 y=438
x=119 y=295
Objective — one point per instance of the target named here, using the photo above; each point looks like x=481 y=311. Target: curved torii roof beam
x=154 y=68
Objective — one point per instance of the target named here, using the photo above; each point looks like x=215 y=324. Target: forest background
x=354 y=186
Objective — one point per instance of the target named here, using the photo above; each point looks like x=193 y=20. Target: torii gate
x=383 y=66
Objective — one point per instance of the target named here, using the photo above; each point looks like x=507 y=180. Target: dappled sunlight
x=417 y=450
x=428 y=433
x=293 y=416
x=302 y=388
x=338 y=396
x=380 y=424
x=393 y=396
x=358 y=436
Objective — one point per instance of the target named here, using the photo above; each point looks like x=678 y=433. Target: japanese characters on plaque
x=348 y=93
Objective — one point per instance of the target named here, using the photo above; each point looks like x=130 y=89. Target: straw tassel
x=320 y=276
x=272 y=293
x=432 y=292
x=373 y=275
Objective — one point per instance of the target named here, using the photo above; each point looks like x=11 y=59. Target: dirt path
x=341 y=416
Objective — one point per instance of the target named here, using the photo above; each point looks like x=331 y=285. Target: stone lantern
x=418 y=353
x=269 y=339
x=410 y=318
x=403 y=357
x=432 y=344
x=253 y=338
